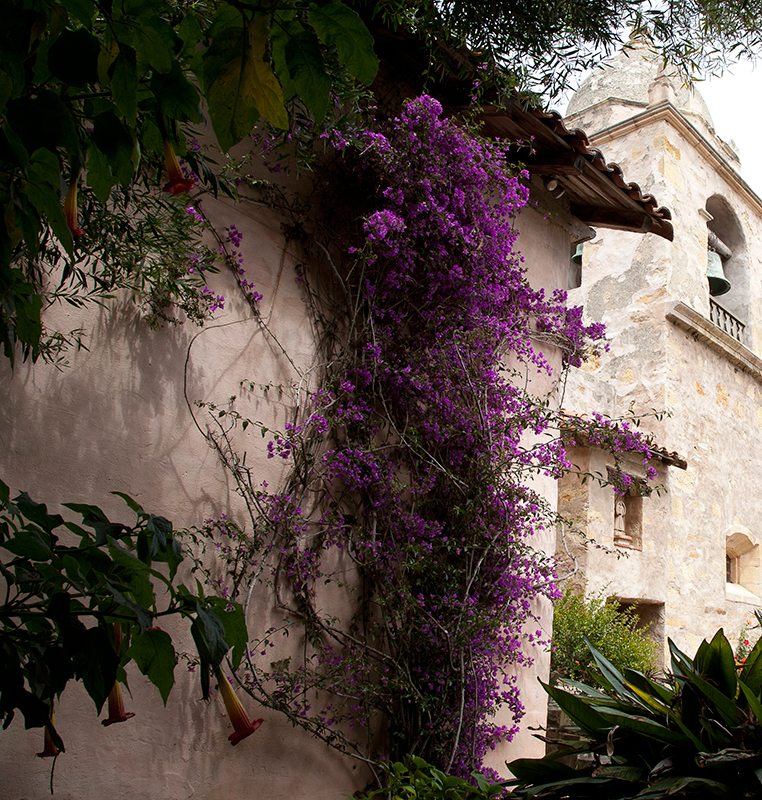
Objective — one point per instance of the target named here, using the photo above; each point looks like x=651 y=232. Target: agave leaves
x=695 y=733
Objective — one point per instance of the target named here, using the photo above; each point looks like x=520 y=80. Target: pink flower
x=242 y=725
x=116 y=712
x=70 y=207
x=49 y=749
x=178 y=183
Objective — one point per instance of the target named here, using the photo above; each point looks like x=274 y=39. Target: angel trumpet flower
x=242 y=725
x=178 y=183
x=49 y=750
x=116 y=712
x=70 y=207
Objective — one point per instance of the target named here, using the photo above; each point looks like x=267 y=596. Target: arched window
x=742 y=563
x=726 y=240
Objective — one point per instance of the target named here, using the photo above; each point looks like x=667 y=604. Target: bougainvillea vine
x=408 y=494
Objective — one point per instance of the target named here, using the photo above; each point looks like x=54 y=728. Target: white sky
x=734 y=103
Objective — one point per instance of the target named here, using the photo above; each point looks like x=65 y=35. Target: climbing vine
x=407 y=496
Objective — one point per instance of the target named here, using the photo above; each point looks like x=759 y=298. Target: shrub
x=612 y=630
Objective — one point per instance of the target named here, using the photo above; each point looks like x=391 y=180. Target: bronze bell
x=577 y=257
x=718 y=283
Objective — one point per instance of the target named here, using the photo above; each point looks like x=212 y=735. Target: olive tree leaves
x=90 y=92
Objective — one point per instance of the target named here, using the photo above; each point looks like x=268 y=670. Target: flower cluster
x=410 y=464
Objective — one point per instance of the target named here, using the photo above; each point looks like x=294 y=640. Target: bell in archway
x=577 y=257
x=718 y=283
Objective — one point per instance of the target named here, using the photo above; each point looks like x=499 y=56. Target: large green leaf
x=612 y=676
x=578 y=710
x=155 y=656
x=236 y=635
x=208 y=633
x=726 y=707
x=715 y=661
x=154 y=40
x=296 y=51
x=124 y=84
x=240 y=85
x=751 y=674
x=640 y=724
x=73 y=57
x=340 y=27
x=177 y=97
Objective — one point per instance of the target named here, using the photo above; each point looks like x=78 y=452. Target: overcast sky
x=734 y=103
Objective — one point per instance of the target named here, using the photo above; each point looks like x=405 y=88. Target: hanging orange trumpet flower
x=116 y=712
x=70 y=207
x=242 y=725
x=49 y=750
x=178 y=183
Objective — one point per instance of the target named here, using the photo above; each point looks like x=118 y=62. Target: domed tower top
x=620 y=88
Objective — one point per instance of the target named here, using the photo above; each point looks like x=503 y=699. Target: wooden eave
x=595 y=191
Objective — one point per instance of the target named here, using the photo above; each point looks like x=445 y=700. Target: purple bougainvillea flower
x=178 y=183
x=242 y=725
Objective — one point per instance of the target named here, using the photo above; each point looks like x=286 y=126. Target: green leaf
x=124 y=84
x=209 y=635
x=640 y=724
x=83 y=10
x=154 y=39
x=43 y=122
x=99 y=177
x=95 y=663
x=340 y=27
x=155 y=656
x=715 y=661
x=540 y=770
x=240 y=85
x=132 y=504
x=28 y=322
x=73 y=57
x=27 y=545
x=751 y=674
x=191 y=34
x=6 y=88
x=115 y=142
x=108 y=54
x=726 y=707
x=236 y=635
x=580 y=712
x=297 y=52
x=48 y=203
x=177 y=98
x=753 y=701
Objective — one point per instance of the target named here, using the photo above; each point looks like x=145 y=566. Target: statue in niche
x=620 y=514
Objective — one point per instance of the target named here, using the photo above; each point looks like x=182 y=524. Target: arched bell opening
x=727 y=260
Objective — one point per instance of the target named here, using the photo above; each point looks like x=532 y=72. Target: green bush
x=695 y=733
x=611 y=630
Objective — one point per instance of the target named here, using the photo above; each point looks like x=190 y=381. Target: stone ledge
x=706 y=331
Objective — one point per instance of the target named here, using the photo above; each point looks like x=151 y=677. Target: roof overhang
x=595 y=190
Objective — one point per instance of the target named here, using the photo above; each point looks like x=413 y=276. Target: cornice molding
x=706 y=331
x=666 y=112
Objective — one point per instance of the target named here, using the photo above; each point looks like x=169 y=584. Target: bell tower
x=685 y=326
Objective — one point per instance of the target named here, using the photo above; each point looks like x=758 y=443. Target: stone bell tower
x=685 y=325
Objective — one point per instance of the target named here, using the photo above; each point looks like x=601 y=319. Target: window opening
x=575 y=266
x=742 y=561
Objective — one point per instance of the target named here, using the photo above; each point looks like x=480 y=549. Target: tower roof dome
x=626 y=77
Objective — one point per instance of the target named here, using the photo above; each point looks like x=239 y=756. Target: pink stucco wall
x=117 y=419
